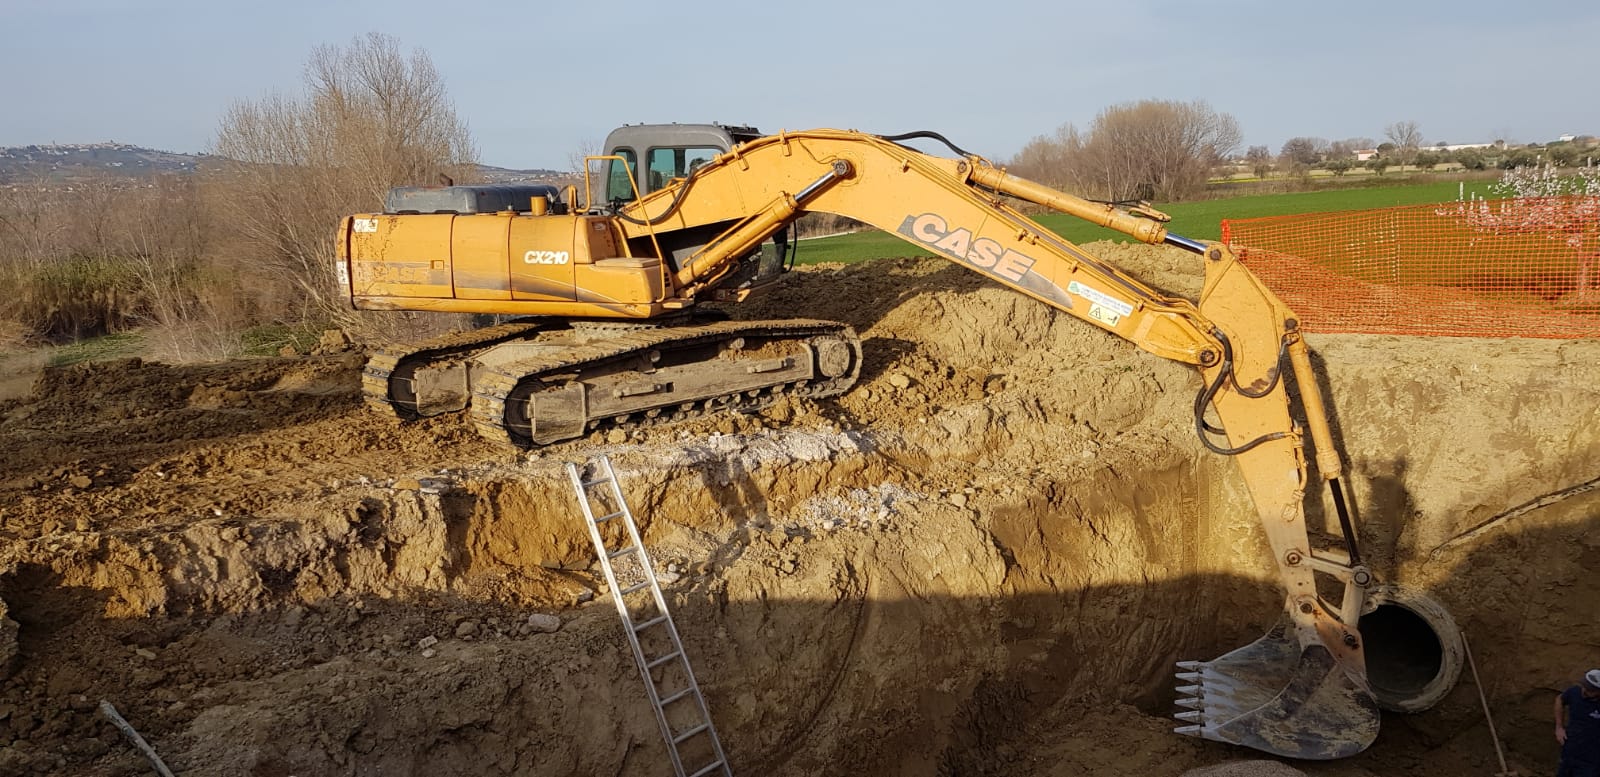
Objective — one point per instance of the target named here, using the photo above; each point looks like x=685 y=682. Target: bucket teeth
x=1192 y=731
x=1207 y=698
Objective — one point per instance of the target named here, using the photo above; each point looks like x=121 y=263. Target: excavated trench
x=837 y=611
x=984 y=560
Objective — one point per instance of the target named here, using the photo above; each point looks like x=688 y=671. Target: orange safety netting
x=1525 y=267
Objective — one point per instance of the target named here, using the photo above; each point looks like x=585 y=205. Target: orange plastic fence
x=1526 y=267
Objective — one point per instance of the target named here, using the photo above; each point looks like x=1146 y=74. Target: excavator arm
x=1302 y=690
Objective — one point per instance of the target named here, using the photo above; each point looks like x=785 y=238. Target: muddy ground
x=982 y=560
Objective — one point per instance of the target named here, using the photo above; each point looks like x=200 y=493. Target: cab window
x=619 y=186
x=669 y=163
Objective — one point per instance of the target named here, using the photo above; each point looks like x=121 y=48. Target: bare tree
x=1047 y=158
x=586 y=172
x=576 y=158
x=30 y=227
x=1260 y=159
x=168 y=238
x=370 y=118
x=1303 y=152
x=1153 y=149
x=1406 y=137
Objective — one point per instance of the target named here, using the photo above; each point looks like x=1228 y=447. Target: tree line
x=1404 y=146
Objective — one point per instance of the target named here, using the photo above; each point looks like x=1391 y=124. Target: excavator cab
x=654 y=155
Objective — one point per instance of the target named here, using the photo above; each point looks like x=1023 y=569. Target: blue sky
x=537 y=82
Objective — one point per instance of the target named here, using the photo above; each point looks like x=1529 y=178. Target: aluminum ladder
x=650 y=622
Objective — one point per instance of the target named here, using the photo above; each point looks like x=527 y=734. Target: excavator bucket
x=1275 y=696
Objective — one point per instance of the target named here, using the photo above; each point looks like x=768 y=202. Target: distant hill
x=65 y=162
x=78 y=160
x=492 y=174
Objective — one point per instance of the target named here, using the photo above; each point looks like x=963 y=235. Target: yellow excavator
x=604 y=293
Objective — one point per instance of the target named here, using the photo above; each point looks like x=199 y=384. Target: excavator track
x=650 y=376
x=386 y=378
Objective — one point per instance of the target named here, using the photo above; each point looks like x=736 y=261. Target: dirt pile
x=982 y=560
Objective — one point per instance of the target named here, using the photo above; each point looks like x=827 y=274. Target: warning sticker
x=1102 y=315
x=1111 y=304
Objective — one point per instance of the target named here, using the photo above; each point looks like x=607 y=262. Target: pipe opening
x=1413 y=650
x=1403 y=653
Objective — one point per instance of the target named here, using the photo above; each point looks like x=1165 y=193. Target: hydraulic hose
x=930 y=135
x=1201 y=400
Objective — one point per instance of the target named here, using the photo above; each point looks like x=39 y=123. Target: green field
x=1202 y=220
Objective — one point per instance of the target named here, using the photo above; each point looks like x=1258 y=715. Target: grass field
x=1202 y=220
x=115 y=346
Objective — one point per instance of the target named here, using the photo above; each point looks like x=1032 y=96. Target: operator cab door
x=619 y=177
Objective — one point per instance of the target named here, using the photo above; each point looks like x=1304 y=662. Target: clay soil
x=982 y=560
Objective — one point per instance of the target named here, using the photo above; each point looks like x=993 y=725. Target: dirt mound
x=982 y=560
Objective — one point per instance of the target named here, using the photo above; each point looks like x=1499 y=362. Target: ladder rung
x=595 y=482
x=659 y=660
x=623 y=552
x=608 y=516
x=635 y=587
x=681 y=738
x=676 y=696
x=703 y=772
x=647 y=624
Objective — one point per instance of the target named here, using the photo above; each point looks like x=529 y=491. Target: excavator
x=603 y=293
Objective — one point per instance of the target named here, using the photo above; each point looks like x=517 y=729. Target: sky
x=538 y=83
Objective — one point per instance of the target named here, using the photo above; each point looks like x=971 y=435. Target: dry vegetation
x=1149 y=150
x=196 y=261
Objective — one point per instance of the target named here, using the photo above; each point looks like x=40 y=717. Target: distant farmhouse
x=1364 y=154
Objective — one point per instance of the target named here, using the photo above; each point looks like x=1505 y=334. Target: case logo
x=931 y=229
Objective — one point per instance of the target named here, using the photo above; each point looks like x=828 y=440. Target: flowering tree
x=1539 y=200
x=1546 y=181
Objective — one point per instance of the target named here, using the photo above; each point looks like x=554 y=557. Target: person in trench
x=1578 y=727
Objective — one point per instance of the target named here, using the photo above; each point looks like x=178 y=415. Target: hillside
x=72 y=161
x=79 y=160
